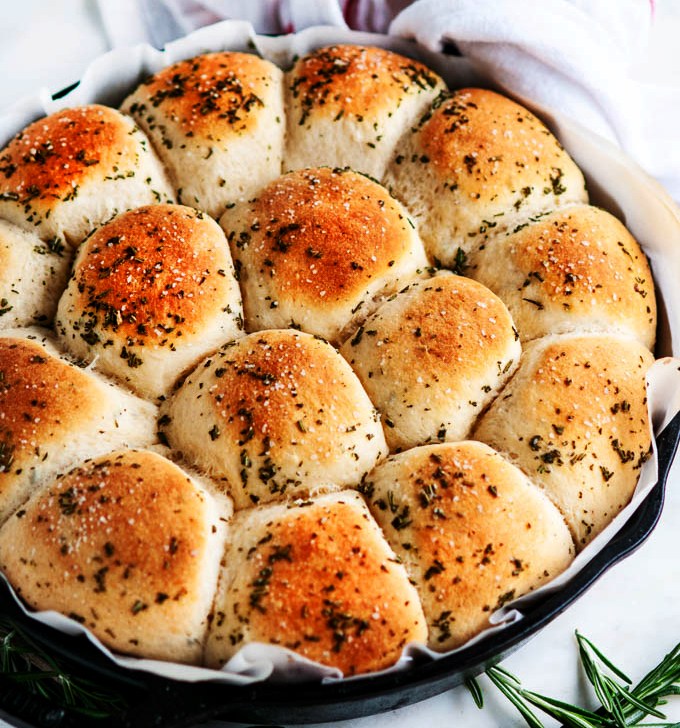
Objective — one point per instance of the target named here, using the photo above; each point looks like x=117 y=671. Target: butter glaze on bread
x=477 y=164
x=66 y=174
x=128 y=545
x=574 y=419
x=317 y=248
x=577 y=269
x=318 y=578
x=471 y=530
x=54 y=414
x=217 y=122
x=348 y=106
x=276 y=414
x=152 y=292
x=433 y=357
x=33 y=275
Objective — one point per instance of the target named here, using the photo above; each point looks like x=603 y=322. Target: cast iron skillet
x=154 y=701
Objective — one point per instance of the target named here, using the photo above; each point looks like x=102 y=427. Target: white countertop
x=632 y=613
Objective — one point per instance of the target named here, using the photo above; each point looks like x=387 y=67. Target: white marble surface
x=632 y=613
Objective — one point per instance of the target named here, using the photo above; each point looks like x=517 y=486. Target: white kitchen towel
x=574 y=56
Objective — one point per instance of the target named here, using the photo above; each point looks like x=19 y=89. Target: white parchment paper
x=614 y=182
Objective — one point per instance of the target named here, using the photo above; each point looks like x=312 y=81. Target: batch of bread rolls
x=401 y=383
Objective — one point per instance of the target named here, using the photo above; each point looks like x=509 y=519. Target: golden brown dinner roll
x=348 y=106
x=433 y=357
x=53 y=414
x=129 y=546
x=71 y=171
x=217 y=121
x=33 y=275
x=476 y=165
x=317 y=247
x=574 y=419
x=471 y=530
x=274 y=413
x=316 y=577
x=152 y=292
x=577 y=269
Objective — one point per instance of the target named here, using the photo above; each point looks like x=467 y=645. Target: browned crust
x=214 y=95
x=584 y=261
x=278 y=393
x=472 y=531
x=320 y=580
x=575 y=419
x=52 y=157
x=42 y=399
x=482 y=144
x=450 y=326
x=113 y=543
x=151 y=276
x=322 y=235
x=356 y=80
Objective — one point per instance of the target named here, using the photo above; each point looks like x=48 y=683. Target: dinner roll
x=53 y=414
x=476 y=165
x=66 y=174
x=348 y=106
x=577 y=269
x=217 y=121
x=316 y=577
x=33 y=275
x=129 y=546
x=433 y=357
x=317 y=247
x=574 y=418
x=152 y=292
x=275 y=413
x=471 y=530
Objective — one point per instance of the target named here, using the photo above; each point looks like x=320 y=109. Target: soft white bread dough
x=476 y=165
x=471 y=530
x=217 y=122
x=348 y=106
x=54 y=414
x=574 y=419
x=275 y=414
x=318 y=249
x=129 y=545
x=433 y=356
x=69 y=172
x=316 y=577
x=152 y=292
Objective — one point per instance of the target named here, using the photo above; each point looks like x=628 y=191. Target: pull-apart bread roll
x=129 y=546
x=433 y=357
x=66 y=174
x=275 y=413
x=53 y=414
x=574 y=419
x=317 y=247
x=319 y=578
x=349 y=105
x=476 y=165
x=471 y=530
x=217 y=121
x=576 y=269
x=152 y=292
x=33 y=275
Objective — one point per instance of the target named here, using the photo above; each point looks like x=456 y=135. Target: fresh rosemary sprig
x=622 y=706
x=35 y=673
